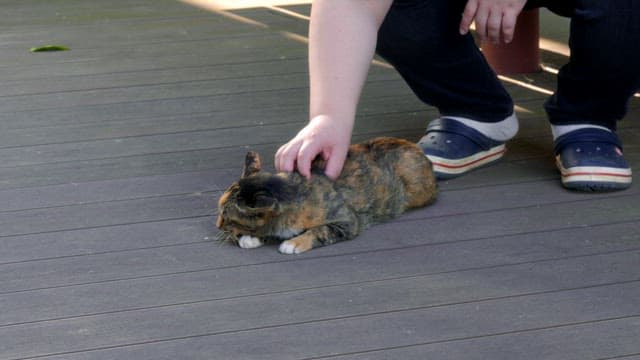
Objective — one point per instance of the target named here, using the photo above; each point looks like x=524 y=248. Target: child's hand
x=322 y=136
x=495 y=19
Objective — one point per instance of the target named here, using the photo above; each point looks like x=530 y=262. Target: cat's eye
x=263 y=199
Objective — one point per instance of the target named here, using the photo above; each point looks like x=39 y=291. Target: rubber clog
x=455 y=149
x=591 y=160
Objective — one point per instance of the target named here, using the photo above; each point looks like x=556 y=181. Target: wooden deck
x=113 y=154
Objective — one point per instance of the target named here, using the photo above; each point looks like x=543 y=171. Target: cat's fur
x=381 y=179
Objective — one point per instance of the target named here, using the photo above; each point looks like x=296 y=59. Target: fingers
x=292 y=156
x=299 y=155
x=495 y=21
x=467 y=16
x=482 y=14
x=509 y=25
x=286 y=155
x=494 y=25
x=488 y=23
x=306 y=154
x=296 y=155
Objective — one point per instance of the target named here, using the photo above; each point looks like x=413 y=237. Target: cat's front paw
x=295 y=245
x=249 y=242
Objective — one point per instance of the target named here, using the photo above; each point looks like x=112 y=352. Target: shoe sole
x=445 y=168
x=594 y=178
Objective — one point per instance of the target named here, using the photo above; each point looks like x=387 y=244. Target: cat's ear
x=251 y=164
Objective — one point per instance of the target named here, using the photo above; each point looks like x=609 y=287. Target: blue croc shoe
x=591 y=160
x=455 y=148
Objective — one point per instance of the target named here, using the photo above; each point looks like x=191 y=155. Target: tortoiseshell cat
x=381 y=179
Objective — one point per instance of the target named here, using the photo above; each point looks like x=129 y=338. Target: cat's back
x=384 y=151
x=385 y=176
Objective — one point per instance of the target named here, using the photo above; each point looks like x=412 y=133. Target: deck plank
x=601 y=340
x=423 y=283
x=354 y=333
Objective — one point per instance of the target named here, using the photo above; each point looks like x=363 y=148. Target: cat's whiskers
x=226 y=236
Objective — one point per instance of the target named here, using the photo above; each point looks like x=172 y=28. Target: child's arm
x=342 y=41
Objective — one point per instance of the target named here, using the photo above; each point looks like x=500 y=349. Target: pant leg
x=420 y=39
x=603 y=72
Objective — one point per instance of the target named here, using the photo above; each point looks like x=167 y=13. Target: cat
x=381 y=179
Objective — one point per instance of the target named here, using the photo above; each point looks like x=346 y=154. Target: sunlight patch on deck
x=289 y=12
x=522 y=110
x=525 y=85
x=242 y=4
x=554 y=46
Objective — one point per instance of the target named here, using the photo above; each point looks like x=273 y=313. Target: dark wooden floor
x=113 y=154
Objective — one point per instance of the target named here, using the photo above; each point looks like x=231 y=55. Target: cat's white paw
x=289 y=247
x=249 y=242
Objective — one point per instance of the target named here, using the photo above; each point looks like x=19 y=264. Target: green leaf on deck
x=49 y=48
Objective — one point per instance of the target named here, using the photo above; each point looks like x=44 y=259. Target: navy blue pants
x=420 y=39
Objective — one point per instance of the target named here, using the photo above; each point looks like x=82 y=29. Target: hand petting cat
x=322 y=136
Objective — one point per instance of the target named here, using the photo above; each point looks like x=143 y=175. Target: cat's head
x=250 y=205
